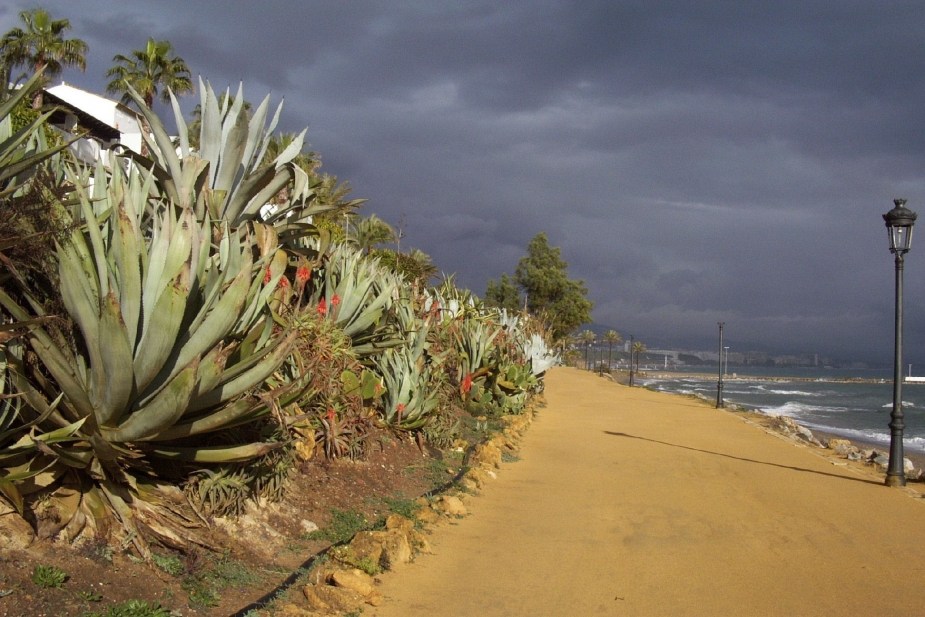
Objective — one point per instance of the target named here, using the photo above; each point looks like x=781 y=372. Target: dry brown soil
x=262 y=554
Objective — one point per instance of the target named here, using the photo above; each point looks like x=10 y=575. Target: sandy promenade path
x=635 y=503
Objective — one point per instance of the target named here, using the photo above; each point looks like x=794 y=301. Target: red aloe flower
x=400 y=408
x=331 y=414
x=267 y=276
x=302 y=274
x=335 y=301
x=466 y=383
x=322 y=307
x=283 y=283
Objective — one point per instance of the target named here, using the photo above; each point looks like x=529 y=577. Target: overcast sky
x=695 y=162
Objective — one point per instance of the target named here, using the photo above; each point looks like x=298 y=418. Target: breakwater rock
x=842 y=447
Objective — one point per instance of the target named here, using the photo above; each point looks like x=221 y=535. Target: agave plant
x=360 y=297
x=474 y=344
x=228 y=177
x=172 y=335
x=21 y=151
x=410 y=396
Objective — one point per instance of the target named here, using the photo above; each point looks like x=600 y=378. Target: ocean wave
x=796 y=409
x=906 y=405
x=797 y=393
x=877 y=437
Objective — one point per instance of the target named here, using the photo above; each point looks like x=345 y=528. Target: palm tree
x=637 y=349
x=587 y=337
x=612 y=337
x=368 y=233
x=151 y=71
x=41 y=46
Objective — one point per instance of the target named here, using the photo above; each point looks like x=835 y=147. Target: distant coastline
x=669 y=374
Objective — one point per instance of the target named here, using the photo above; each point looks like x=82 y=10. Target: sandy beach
x=630 y=502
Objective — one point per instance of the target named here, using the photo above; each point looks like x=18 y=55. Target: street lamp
x=719 y=362
x=632 y=347
x=899 y=222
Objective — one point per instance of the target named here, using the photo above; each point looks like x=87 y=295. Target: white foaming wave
x=795 y=409
x=906 y=405
x=872 y=436
x=796 y=393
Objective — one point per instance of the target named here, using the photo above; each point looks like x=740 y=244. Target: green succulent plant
x=410 y=396
x=21 y=151
x=172 y=337
x=227 y=176
x=360 y=297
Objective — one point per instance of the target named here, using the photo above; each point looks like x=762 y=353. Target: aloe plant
x=409 y=398
x=361 y=298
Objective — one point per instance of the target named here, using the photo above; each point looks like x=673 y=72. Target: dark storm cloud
x=695 y=162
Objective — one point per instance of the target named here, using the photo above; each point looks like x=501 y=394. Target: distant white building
x=108 y=123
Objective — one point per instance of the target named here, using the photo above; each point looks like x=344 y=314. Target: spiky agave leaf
x=163 y=316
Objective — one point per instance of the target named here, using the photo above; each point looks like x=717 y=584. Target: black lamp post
x=632 y=347
x=899 y=222
x=719 y=357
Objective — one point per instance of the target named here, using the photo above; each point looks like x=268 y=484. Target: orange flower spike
x=267 y=276
x=331 y=414
x=322 y=307
x=466 y=383
x=302 y=275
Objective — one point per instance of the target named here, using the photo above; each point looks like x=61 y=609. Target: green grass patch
x=132 y=608
x=48 y=577
x=206 y=585
x=171 y=564
x=344 y=525
x=401 y=506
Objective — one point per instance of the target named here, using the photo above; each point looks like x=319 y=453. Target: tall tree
x=151 y=71
x=40 y=45
x=612 y=337
x=543 y=276
x=503 y=293
x=587 y=338
x=370 y=232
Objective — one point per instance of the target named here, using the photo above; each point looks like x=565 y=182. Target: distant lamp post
x=899 y=222
x=719 y=362
x=725 y=361
x=632 y=347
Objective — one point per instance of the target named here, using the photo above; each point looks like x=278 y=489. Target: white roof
x=99 y=107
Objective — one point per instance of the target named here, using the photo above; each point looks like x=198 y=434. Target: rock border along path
x=636 y=503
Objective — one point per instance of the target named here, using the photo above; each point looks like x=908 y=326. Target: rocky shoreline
x=851 y=450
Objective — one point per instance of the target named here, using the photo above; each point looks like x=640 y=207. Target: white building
x=109 y=123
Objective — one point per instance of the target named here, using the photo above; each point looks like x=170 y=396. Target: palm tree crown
x=40 y=45
x=150 y=71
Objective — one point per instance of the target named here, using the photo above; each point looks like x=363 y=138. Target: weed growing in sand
x=401 y=506
x=344 y=525
x=48 y=577
x=170 y=564
x=132 y=608
x=438 y=471
x=205 y=584
x=90 y=596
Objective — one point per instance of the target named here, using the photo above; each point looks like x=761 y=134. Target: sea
x=854 y=404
